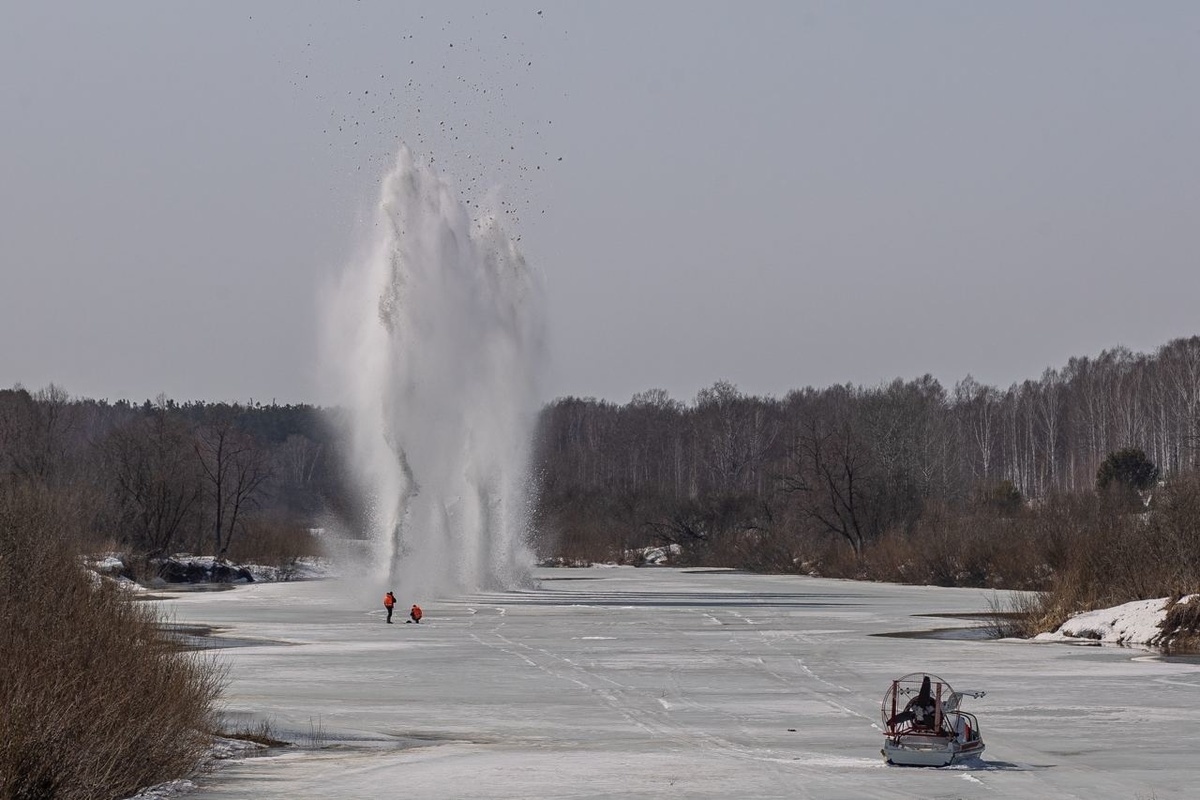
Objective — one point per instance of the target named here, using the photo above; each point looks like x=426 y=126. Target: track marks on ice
x=649 y=714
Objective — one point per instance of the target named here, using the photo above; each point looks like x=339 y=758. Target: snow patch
x=302 y=569
x=222 y=748
x=659 y=555
x=1135 y=623
x=560 y=561
x=656 y=556
x=108 y=564
x=110 y=568
x=164 y=790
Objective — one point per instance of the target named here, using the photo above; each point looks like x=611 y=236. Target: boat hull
x=910 y=751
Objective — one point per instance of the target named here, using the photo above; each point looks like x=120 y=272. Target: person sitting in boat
x=921 y=710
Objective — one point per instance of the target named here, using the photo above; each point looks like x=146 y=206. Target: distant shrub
x=275 y=541
x=1001 y=497
x=1181 y=624
x=1128 y=468
x=94 y=702
x=1022 y=615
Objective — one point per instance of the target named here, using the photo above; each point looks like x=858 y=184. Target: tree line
x=729 y=472
x=164 y=476
x=818 y=475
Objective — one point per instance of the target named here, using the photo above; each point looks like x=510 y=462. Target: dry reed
x=95 y=703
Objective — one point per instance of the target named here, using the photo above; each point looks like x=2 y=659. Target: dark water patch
x=427 y=738
x=986 y=616
x=149 y=596
x=988 y=765
x=1169 y=657
x=208 y=637
x=564 y=599
x=1136 y=650
x=686 y=598
x=968 y=634
x=161 y=590
x=196 y=587
x=628 y=602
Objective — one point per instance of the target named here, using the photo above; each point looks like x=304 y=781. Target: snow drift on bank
x=1139 y=623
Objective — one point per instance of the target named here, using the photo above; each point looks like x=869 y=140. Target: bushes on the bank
x=94 y=702
x=274 y=540
x=1069 y=552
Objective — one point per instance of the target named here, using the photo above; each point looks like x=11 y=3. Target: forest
x=1081 y=483
x=231 y=480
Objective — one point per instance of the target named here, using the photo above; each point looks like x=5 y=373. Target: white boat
x=924 y=724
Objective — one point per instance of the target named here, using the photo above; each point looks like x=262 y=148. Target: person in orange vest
x=389 y=602
x=415 y=614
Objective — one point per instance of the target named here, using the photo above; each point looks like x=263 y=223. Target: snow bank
x=656 y=556
x=1138 y=623
x=108 y=564
x=186 y=568
x=302 y=569
x=659 y=556
x=560 y=561
x=1135 y=623
x=110 y=567
x=222 y=748
x=164 y=790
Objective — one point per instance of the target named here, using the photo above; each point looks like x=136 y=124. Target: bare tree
x=977 y=404
x=235 y=468
x=151 y=465
x=735 y=435
x=1049 y=414
x=1181 y=358
x=37 y=432
x=828 y=477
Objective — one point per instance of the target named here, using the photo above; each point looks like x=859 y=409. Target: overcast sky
x=778 y=195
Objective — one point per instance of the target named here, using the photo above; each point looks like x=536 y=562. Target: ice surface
x=660 y=682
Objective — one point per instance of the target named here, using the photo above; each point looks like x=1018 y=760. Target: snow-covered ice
x=660 y=682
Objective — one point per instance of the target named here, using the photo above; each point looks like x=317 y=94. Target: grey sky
x=775 y=194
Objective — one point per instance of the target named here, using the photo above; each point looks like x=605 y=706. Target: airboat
x=924 y=724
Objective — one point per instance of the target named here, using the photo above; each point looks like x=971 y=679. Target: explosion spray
x=436 y=337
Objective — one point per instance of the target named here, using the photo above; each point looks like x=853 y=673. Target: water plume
x=434 y=339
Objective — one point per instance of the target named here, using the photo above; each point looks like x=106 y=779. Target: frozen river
x=628 y=683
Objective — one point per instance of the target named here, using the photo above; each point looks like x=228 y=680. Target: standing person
x=415 y=614
x=389 y=602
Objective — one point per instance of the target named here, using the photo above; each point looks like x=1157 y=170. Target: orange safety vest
x=388 y=600
x=416 y=612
